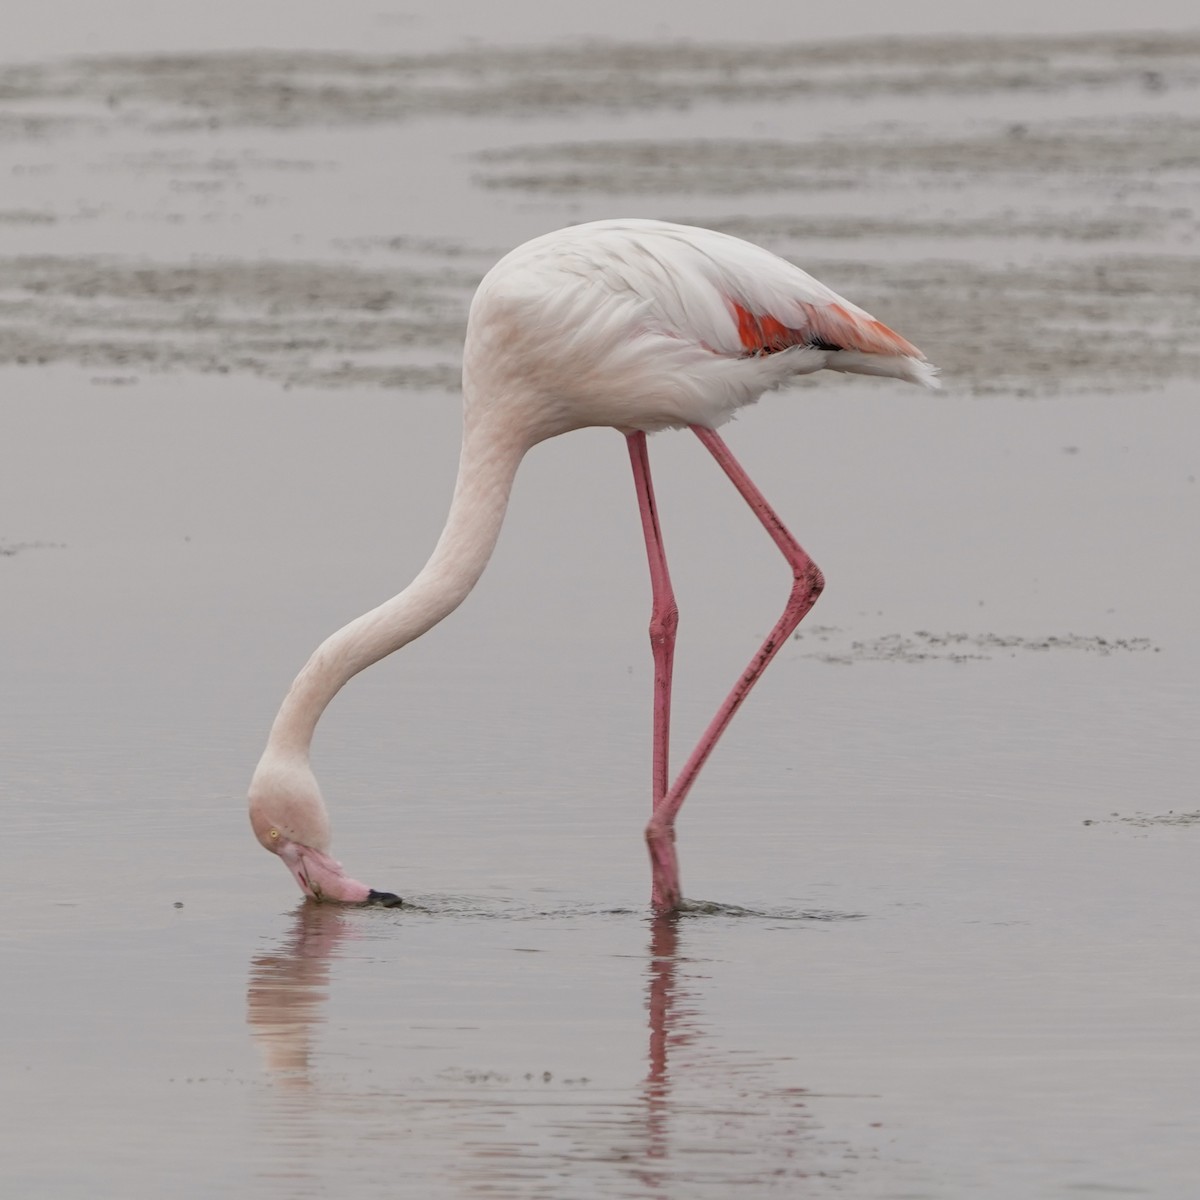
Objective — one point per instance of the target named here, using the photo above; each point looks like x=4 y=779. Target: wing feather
x=731 y=295
x=717 y=292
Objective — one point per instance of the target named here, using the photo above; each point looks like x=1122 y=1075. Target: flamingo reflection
x=703 y=1115
x=287 y=991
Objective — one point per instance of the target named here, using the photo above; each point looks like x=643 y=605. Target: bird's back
x=646 y=324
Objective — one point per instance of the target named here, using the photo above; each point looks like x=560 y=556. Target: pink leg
x=664 y=615
x=807 y=583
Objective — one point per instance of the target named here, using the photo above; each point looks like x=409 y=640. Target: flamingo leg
x=664 y=615
x=807 y=583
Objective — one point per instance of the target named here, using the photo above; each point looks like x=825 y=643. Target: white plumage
x=635 y=324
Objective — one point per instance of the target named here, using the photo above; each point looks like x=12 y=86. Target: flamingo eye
x=274 y=833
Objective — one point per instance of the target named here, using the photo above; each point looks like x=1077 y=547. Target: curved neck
x=487 y=466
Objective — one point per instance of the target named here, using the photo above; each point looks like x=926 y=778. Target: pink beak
x=321 y=877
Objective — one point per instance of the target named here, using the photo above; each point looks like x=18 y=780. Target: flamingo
x=635 y=324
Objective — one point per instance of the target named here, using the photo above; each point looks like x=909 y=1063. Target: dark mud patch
x=241 y=176
x=299 y=323
x=26 y=216
x=1091 y=150
x=284 y=90
x=12 y=549
x=428 y=248
x=1171 y=818
x=923 y=646
x=1120 y=222
x=38 y=127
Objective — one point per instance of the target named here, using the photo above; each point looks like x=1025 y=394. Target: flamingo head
x=289 y=819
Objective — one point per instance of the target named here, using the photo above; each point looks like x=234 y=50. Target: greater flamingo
x=635 y=324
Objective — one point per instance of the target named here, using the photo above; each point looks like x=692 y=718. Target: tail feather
x=896 y=366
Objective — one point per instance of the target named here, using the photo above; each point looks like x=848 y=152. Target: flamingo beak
x=322 y=878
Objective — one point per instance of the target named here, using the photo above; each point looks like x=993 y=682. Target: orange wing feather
x=829 y=324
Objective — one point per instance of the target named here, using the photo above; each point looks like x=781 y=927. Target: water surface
x=944 y=860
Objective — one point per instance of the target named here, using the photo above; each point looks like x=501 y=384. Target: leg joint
x=659 y=830
x=808 y=579
x=663 y=623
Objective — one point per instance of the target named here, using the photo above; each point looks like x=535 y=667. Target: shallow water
x=943 y=865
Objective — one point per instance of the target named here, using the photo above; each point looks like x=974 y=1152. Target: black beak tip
x=384 y=899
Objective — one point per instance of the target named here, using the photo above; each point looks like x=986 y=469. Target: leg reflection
x=671 y=1029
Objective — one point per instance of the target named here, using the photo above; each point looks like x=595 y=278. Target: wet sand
x=944 y=862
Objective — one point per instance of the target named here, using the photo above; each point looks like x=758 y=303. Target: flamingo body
x=647 y=325
x=635 y=324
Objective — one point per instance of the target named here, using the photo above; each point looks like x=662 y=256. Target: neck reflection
x=287 y=990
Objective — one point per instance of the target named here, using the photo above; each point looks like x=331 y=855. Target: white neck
x=486 y=469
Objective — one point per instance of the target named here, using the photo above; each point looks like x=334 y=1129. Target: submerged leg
x=807 y=583
x=664 y=615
